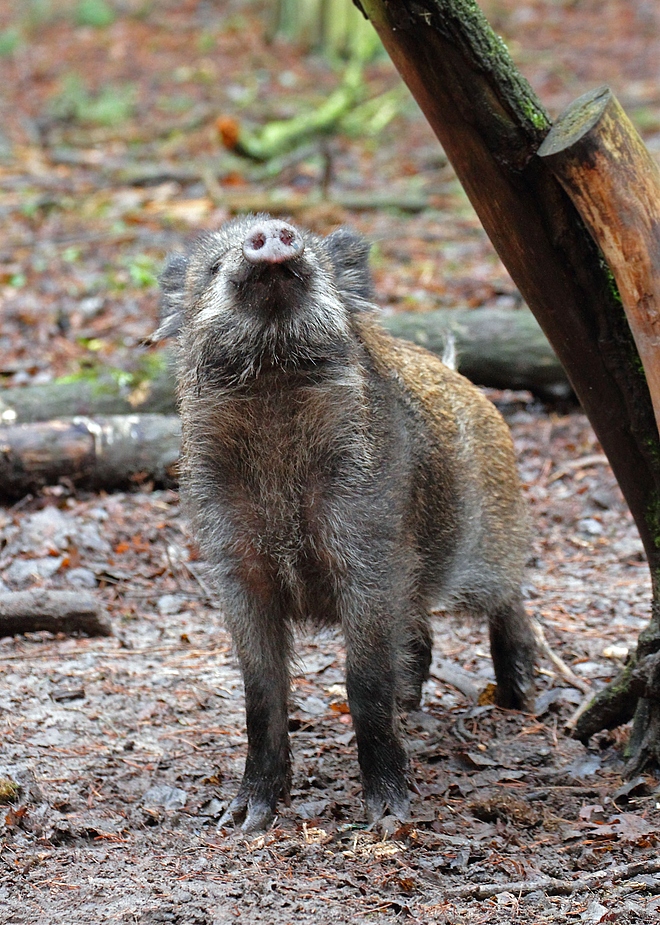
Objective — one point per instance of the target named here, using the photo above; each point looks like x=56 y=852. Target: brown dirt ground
x=127 y=749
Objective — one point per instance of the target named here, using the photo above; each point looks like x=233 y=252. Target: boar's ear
x=172 y=287
x=349 y=253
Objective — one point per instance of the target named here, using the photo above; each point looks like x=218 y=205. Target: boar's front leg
x=371 y=682
x=261 y=638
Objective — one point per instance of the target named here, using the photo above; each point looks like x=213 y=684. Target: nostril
x=257 y=241
x=272 y=242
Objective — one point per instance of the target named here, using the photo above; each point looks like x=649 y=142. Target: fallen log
x=500 y=348
x=54 y=611
x=134 y=391
x=105 y=452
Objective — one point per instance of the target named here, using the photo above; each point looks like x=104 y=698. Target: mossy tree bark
x=490 y=125
x=147 y=388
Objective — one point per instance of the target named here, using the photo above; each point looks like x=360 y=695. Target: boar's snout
x=272 y=242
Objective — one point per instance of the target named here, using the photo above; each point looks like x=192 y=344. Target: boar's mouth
x=274 y=288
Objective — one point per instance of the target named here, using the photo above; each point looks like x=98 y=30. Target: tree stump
x=604 y=166
x=602 y=163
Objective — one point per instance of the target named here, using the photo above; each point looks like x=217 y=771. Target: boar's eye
x=215 y=266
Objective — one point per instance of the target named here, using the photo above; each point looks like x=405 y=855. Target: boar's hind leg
x=415 y=664
x=262 y=645
x=513 y=651
x=371 y=681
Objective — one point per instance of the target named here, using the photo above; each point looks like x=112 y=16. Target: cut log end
x=577 y=121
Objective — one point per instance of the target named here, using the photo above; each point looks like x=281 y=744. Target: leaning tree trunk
x=490 y=125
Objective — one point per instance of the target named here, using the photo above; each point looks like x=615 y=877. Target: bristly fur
x=336 y=475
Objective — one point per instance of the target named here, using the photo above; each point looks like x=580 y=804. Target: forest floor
x=126 y=749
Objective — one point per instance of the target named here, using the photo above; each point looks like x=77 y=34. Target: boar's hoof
x=387 y=800
x=515 y=685
x=250 y=814
x=515 y=697
x=259 y=817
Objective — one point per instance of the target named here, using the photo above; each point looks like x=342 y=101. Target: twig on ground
x=585 y=462
x=553 y=887
x=194 y=572
x=561 y=666
x=572 y=721
x=456 y=677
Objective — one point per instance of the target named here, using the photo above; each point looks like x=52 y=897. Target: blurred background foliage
x=128 y=125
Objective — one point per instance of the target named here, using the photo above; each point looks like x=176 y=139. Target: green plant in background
x=30 y=206
x=645 y=118
x=10 y=40
x=9 y=790
x=138 y=270
x=95 y=13
x=335 y=28
x=175 y=103
x=29 y=15
x=206 y=43
x=113 y=105
x=371 y=117
x=142 y=270
x=35 y=13
x=71 y=254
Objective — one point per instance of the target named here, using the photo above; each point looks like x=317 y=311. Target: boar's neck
x=236 y=374
x=305 y=416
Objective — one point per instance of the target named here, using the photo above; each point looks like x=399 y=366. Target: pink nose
x=272 y=242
